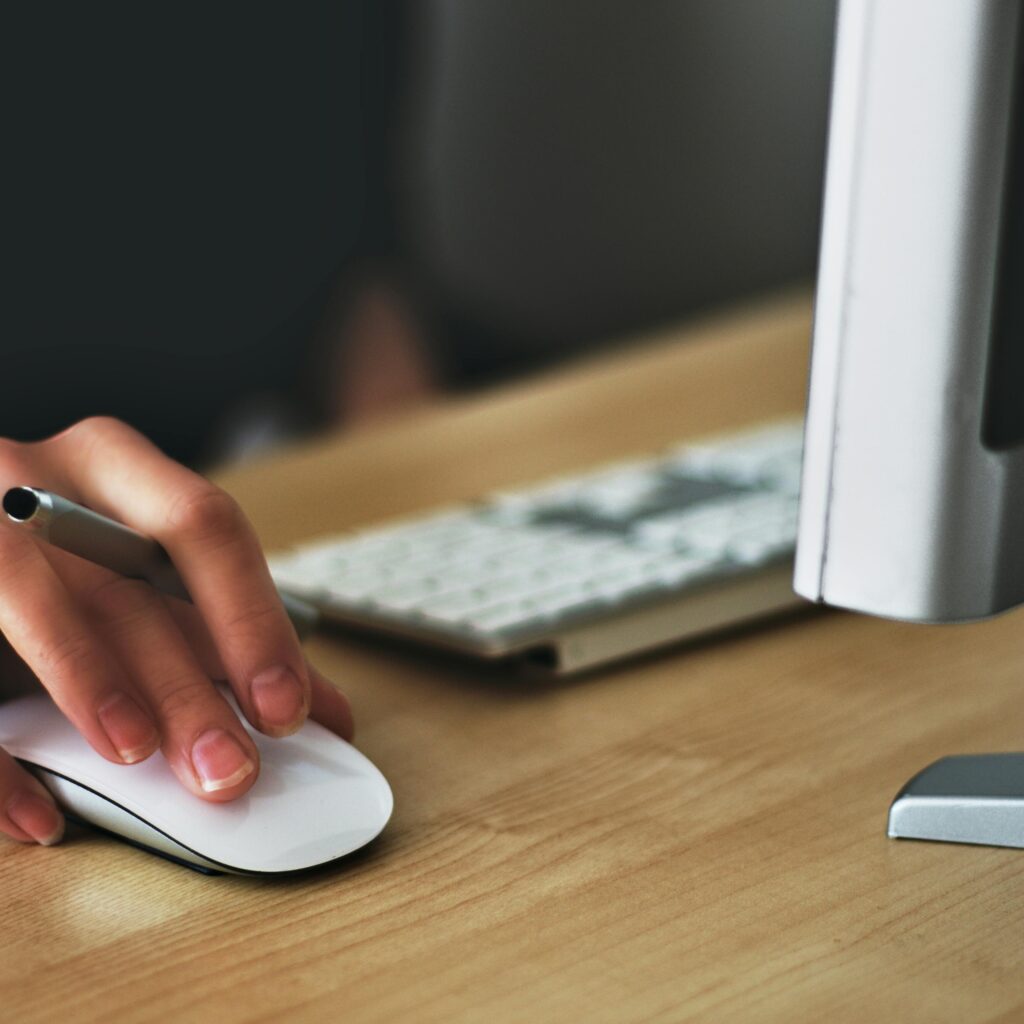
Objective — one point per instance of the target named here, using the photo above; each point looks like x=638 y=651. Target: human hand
x=133 y=669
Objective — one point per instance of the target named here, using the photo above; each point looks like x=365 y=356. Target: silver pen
x=113 y=545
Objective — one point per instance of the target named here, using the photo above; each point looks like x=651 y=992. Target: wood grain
x=695 y=836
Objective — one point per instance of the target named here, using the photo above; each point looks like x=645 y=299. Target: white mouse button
x=317 y=798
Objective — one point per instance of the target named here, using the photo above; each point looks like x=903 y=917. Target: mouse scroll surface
x=317 y=798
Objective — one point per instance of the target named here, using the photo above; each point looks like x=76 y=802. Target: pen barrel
x=106 y=542
x=96 y=538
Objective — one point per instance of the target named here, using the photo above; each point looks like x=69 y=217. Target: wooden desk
x=696 y=836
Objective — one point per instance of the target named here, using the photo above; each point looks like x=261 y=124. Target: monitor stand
x=970 y=798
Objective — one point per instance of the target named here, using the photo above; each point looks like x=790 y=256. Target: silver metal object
x=970 y=798
x=117 y=547
x=913 y=477
x=905 y=510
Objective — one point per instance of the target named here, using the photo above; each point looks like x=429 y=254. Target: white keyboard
x=580 y=570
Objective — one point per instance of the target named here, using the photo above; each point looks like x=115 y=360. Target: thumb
x=28 y=812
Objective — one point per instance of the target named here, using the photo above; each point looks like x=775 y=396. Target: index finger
x=120 y=473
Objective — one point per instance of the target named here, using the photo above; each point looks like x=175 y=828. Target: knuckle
x=119 y=599
x=256 y=620
x=70 y=655
x=205 y=513
x=91 y=427
x=83 y=437
x=181 y=695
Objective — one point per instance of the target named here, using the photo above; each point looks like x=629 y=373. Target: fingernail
x=37 y=816
x=279 y=698
x=128 y=727
x=219 y=760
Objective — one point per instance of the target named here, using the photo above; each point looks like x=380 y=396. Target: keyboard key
x=569 y=548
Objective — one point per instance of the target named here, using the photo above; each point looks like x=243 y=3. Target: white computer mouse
x=317 y=798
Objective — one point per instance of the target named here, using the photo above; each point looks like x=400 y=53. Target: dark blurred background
x=232 y=225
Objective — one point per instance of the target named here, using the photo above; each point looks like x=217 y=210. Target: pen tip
x=20 y=504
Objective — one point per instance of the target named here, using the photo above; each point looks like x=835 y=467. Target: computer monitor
x=912 y=502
